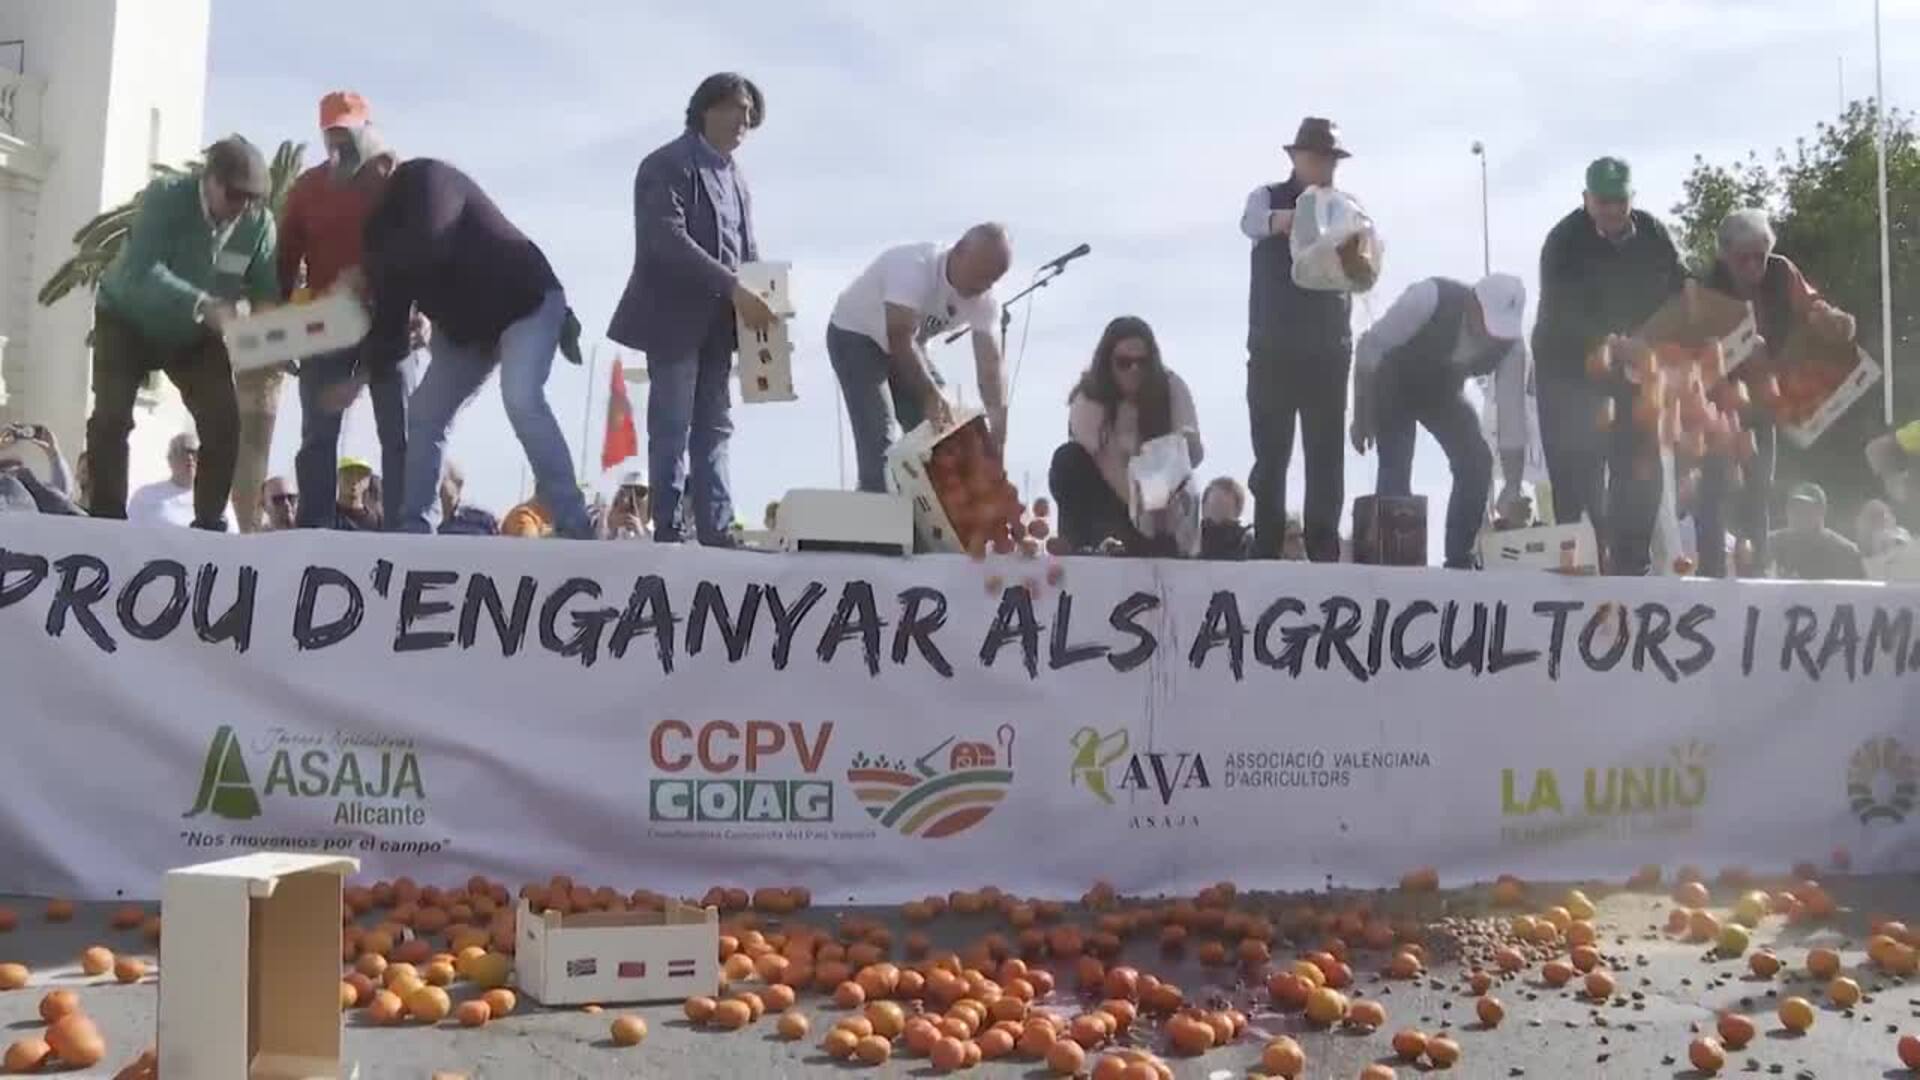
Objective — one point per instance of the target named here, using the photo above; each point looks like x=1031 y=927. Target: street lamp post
x=1486 y=229
x=1886 y=246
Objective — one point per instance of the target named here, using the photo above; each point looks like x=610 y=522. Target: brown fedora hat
x=1321 y=135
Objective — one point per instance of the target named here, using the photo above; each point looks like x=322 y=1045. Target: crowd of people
x=441 y=268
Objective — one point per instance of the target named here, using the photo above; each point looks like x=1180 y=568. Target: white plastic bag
x=1161 y=493
x=1325 y=221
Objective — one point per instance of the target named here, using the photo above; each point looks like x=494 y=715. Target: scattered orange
x=1490 y=1011
x=628 y=1030
x=14 y=976
x=793 y=1024
x=26 y=1055
x=1409 y=1044
x=1443 y=1051
x=1706 y=1055
x=473 y=1013
x=1796 y=1014
x=127 y=969
x=1823 y=963
x=1735 y=1030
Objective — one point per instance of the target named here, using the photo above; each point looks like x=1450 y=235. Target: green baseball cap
x=1611 y=179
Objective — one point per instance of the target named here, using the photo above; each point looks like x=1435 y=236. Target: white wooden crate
x=279 y=335
x=766 y=356
x=617 y=957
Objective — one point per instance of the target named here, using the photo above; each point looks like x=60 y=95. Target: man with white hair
x=1748 y=268
x=1411 y=368
x=171 y=501
x=880 y=326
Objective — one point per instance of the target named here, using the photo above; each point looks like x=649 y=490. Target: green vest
x=168 y=262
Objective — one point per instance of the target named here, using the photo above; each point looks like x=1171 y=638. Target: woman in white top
x=1125 y=398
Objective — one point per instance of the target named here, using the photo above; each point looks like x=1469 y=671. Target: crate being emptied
x=252 y=983
x=617 y=957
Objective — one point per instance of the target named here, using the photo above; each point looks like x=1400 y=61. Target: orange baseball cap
x=343 y=109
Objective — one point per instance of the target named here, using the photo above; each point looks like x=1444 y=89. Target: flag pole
x=1886 y=240
x=586 y=407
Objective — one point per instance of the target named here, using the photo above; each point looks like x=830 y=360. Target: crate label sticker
x=580 y=969
x=631 y=969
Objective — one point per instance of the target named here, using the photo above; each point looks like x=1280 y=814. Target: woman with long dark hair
x=1125 y=398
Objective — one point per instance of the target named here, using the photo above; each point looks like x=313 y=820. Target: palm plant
x=100 y=240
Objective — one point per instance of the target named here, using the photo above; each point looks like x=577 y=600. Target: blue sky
x=1138 y=128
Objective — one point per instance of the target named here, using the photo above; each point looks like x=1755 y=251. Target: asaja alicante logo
x=1881 y=781
x=1677 y=783
x=374 y=780
x=949 y=789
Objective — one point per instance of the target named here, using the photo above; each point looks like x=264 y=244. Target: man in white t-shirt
x=880 y=328
x=170 y=501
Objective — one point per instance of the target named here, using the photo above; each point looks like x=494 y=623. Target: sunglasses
x=1127 y=361
x=284 y=500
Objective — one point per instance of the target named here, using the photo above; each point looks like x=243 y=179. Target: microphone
x=1061 y=262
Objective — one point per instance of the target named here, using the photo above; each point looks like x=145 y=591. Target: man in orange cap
x=320 y=231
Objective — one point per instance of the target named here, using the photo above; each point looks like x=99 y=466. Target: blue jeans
x=316 y=465
x=690 y=415
x=875 y=399
x=524 y=353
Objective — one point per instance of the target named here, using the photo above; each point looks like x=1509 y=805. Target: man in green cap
x=200 y=243
x=1605 y=269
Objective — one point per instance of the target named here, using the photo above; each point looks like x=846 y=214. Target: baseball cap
x=349 y=464
x=344 y=109
x=1808 y=492
x=239 y=167
x=1503 y=305
x=1610 y=178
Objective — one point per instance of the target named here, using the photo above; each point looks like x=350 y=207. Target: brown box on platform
x=1390 y=530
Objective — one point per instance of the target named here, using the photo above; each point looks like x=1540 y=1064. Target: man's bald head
x=980 y=258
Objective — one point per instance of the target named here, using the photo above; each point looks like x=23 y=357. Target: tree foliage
x=1824 y=200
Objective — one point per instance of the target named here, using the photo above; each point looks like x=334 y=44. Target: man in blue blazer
x=693 y=227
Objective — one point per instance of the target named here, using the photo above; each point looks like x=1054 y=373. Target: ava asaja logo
x=1163 y=773
x=1882 y=777
x=377 y=781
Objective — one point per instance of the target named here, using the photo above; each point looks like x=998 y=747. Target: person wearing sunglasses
x=1749 y=269
x=279 y=505
x=1125 y=398
x=200 y=242
x=1605 y=269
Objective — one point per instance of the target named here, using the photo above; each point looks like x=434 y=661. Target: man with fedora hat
x=200 y=242
x=1604 y=269
x=1299 y=349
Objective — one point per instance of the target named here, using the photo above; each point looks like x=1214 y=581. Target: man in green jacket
x=198 y=245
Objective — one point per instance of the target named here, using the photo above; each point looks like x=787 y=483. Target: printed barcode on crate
x=632 y=969
x=580 y=969
x=680 y=969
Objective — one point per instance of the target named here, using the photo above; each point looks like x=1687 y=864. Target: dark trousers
x=1404 y=401
x=1611 y=476
x=1721 y=506
x=316 y=466
x=1090 y=510
x=879 y=407
x=123 y=357
x=1307 y=389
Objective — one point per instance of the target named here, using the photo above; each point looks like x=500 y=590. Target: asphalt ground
x=1668 y=991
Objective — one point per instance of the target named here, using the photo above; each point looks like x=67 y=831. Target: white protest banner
x=672 y=718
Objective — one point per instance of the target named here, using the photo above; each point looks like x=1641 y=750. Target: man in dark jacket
x=1299 y=349
x=435 y=241
x=693 y=227
x=1605 y=269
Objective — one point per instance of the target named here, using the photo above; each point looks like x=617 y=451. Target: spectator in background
x=770 y=520
x=434 y=239
x=279 y=505
x=176 y=500
x=353 y=509
x=1806 y=550
x=82 y=482
x=1748 y=268
x=458 y=518
x=1126 y=398
x=14 y=496
x=1877 y=529
x=1604 y=269
x=693 y=227
x=629 y=516
x=1293 y=540
x=200 y=242
x=320 y=239
x=31 y=455
x=528 y=521
x=1223 y=532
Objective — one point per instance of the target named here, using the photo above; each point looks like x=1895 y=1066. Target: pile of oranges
x=1818 y=368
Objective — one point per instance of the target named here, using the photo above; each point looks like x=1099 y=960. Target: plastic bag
x=1335 y=245
x=1161 y=494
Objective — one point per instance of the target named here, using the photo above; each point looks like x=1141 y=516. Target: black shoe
x=724 y=541
x=219 y=526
